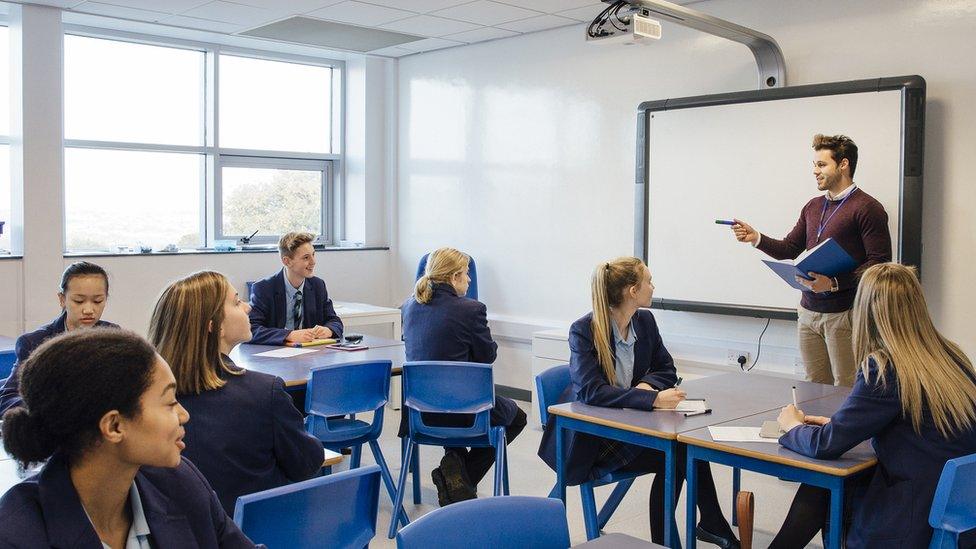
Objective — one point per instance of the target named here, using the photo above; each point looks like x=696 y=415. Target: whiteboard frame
x=909 y=250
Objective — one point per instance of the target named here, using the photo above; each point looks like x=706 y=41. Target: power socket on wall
x=734 y=357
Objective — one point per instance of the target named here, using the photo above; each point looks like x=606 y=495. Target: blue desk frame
x=668 y=446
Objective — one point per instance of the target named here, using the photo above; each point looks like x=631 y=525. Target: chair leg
x=505 y=478
x=589 y=511
x=943 y=539
x=736 y=483
x=619 y=491
x=415 y=468
x=554 y=493
x=499 y=466
x=745 y=505
x=357 y=456
x=387 y=478
x=401 y=484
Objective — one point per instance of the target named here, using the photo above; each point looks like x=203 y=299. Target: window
x=153 y=157
x=5 y=191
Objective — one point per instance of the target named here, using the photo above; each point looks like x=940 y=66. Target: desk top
x=859 y=458
x=352 y=309
x=294 y=370
x=730 y=396
x=7 y=344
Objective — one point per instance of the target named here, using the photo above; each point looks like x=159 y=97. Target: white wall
x=521 y=152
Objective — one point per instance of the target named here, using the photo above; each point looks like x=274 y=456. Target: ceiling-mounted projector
x=633 y=26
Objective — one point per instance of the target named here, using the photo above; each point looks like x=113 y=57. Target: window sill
x=10 y=256
x=270 y=250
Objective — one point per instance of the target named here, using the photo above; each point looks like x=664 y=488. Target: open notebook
x=687 y=405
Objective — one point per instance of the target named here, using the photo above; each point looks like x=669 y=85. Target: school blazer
x=451 y=327
x=247 y=436
x=894 y=510
x=181 y=509
x=652 y=364
x=25 y=345
x=269 y=309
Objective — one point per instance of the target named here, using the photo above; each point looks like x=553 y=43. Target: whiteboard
x=753 y=161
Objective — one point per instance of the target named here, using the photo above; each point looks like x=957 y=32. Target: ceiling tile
x=229 y=12
x=428 y=25
x=550 y=6
x=429 y=44
x=97 y=8
x=52 y=3
x=392 y=51
x=482 y=34
x=539 y=23
x=170 y=6
x=289 y=7
x=418 y=6
x=485 y=12
x=358 y=13
x=203 y=24
x=584 y=14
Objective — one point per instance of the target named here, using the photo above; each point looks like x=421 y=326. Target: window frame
x=330 y=163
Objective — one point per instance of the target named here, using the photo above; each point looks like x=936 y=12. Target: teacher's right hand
x=744 y=232
x=669 y=398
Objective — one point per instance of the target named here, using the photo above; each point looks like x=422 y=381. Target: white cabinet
x=549 y=348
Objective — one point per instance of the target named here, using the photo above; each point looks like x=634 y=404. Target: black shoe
x=442 y=498
x=702 y=534
x=456 y=478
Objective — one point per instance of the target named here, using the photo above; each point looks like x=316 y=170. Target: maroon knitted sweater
x=860 y=227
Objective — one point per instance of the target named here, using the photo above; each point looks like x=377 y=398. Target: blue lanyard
x=823 y=224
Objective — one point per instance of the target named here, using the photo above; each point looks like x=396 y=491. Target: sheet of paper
x=286 y=352
x=737 y=434
x=685 y=406
x=329 y=454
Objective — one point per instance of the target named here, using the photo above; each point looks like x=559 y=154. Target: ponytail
x=442 y=264
x=608 y=284
x=424 y=289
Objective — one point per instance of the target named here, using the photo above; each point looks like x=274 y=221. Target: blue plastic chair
x=7 y=360
x=954 y=505
x=472 y=272
x=507 y=521
x=336 y=511
x=549 y=385
x=328 y=400
x=454 y=388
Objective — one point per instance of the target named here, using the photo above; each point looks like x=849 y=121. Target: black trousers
x=477 y=461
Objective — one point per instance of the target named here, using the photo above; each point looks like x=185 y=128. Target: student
x=914 y=398
x=246 y=435
x=293 y=305
x=618 y=360
x=83 y=296
x=100 y=406
x=856 y=221
x=439 y=323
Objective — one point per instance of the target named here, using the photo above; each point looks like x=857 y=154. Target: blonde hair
x=290 y=242
x=891 y=324
x=442 y=263
x=185 y=329
x=608 y=285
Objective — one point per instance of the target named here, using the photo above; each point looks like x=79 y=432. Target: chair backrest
x=472 y=272
x=503 y=521
x=548 y=386
x=332 y=511
x=448 y=387
x=7 y=359
x=954 y=504
x=349 y=388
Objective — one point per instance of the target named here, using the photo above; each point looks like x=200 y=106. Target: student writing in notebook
x=618 y=360
x=856 y=221
x=83 y=295
x=246 y=434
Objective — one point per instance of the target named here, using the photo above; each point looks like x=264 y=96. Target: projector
x=634 y=27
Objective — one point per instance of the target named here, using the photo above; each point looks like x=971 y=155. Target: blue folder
x=828 y=259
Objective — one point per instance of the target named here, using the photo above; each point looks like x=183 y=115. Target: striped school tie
x=296 y=311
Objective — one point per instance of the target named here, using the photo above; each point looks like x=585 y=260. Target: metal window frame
x=215 y=157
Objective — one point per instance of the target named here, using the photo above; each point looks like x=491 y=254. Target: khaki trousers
x=825 y=346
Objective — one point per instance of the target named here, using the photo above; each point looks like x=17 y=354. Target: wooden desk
x=364 y=314
x=730 y=396
x=773 y=459
x=294 y=370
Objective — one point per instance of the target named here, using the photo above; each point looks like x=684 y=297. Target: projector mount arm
x=769 y=58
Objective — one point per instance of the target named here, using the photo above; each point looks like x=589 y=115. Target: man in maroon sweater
x=857 y=222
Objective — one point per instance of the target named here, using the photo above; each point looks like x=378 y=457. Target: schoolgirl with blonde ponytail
x=443 y=265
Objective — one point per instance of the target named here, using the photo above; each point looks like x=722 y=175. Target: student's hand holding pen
x=669 y=398
x=790 y=417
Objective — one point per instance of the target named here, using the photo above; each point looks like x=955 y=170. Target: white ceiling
x=444 y=23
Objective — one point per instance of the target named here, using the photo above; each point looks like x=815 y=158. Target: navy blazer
x=895 y=508
x=10 y=393
x=451 y=327
x=269 y=309
x=652 y=365
x=247 y=436
x=181 y=509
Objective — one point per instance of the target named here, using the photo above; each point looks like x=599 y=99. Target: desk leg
x=835 y=530
x=670 y=528
x=560 y=462
x=691 y=499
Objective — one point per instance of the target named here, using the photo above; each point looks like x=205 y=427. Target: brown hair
x=840 y=147
x=290 y=242
x=891 y=324
x=442 y=263
x=608 y=285
x=185 y=328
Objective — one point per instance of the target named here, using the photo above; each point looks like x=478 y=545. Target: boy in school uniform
x=293 y=305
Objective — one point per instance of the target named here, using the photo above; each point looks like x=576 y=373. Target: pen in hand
x=676 y=383
x=794 y=398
